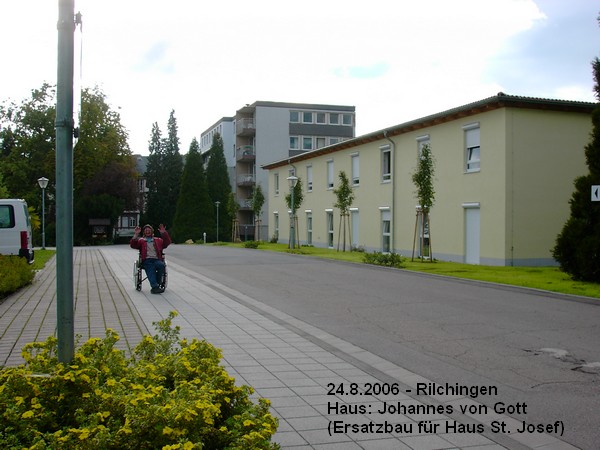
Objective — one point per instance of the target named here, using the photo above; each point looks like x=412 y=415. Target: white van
x=15 y=229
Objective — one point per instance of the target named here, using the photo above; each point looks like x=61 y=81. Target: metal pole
x=292 y=231
x=217 y=203
x=43 y=219
x=64 y=181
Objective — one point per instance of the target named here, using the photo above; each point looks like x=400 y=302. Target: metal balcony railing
x=245 y=153
x=245 y=127
x=246 y=179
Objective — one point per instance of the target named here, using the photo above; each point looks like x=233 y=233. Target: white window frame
x=355 y=165
x=472 y=133
x=321 y=142
x=309 y=225
x=276 y=183
x=307 y=143
x=386 y=230
x=330 y=227
x=330 y=174
x=334 y=118
x=347 y=119
x=333 y=140
x=304 y=117
x=386 y=163
x=309 y=178
x=294 y=143
x=294 y=116
x=421 y=142
x=321 y=118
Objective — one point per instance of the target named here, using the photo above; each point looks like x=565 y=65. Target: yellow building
x=504 y=172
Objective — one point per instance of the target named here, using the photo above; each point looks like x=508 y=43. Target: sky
x=394 y=60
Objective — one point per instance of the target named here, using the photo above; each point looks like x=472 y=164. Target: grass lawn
x=545 y=278
x=42 y=257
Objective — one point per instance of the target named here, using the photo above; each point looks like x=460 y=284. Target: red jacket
x=159 y=244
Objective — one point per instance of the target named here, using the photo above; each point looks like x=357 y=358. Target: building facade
x=268 y=131
x=504 y=172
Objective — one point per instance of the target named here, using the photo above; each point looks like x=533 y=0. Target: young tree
x=194 y=214
x=345 y=197
x=423 y=180
x=258 y=200
x=219 y=187
x=298 y=199
x=577 y=246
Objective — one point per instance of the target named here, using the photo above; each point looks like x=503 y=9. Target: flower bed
x=170 y=394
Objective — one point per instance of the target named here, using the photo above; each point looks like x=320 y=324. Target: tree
x=577 y=248
x=194 y=214
x=298 y=199
x=163 y=174
x=345 y=197
x=258 y=200
x=423 y=180
x=27 y=132
x=219 y=187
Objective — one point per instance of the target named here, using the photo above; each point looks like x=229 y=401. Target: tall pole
x=43 y=219
x=217 y=203
x=64 y=181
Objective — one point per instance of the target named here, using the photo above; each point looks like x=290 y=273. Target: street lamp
x=217 y=203
x=43 y=182
x=292 y=180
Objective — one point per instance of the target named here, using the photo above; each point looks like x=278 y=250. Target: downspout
x=393 y=167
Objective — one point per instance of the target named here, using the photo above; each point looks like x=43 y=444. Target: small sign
x=596 y=193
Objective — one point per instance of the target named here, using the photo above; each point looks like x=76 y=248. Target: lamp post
x=217 y=203
x=292 y=180
x=43 y=182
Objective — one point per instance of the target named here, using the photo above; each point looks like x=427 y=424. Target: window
x=321 y=142
x=330 y=174
x=307 y=117
x=334 y=118
x=294 y=145
x=421 y=142
x=355 y=170
x=309 y=226
x=333 y=140
x=386 y=163
x=329 y=213
x=307 y=143
x=276 y=225
x=385 y=230
x=309 y=179
x=7 y=216
x=320 y=117
x=294 y=116
x=354 y=219
x=472 y=163
x=347 y=119
x=276 y=183
x=132 y=222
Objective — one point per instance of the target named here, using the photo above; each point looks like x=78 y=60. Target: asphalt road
x=541 y=350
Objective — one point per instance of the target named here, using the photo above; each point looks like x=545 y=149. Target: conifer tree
x=577 y=247
x=155 y=202
x=172 y=170
x=194 y=214
x=219 y=187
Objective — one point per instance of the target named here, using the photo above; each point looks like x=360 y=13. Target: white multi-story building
x=264 y=132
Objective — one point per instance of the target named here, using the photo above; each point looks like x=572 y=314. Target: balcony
x=245 y=204
x=245 y=153
x=245 y=127
x=246 y=179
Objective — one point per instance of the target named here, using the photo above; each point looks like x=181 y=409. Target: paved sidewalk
x=315 y=381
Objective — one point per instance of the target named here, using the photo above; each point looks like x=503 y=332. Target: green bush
x=15 y=273
x=171 y=394
x=251 y=244
x=383 y=259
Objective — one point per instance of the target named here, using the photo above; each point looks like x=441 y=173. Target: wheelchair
x=139 y=275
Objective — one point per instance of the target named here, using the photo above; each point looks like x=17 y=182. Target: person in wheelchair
x=151 y=253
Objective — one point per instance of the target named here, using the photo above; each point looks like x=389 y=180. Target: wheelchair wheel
x=137 y=276
x=163 y=282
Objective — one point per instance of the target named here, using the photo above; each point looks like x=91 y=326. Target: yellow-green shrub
x=170 y=394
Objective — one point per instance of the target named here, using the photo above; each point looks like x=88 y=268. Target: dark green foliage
x=194 y=214
x=345 y=197
x=251 y=244
x=298 y=197
x=577 y=247
x=14 y=274
x=163 y=174
x=219 y=188
x=383 y=259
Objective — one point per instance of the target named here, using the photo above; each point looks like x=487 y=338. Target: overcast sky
x=394 y=60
